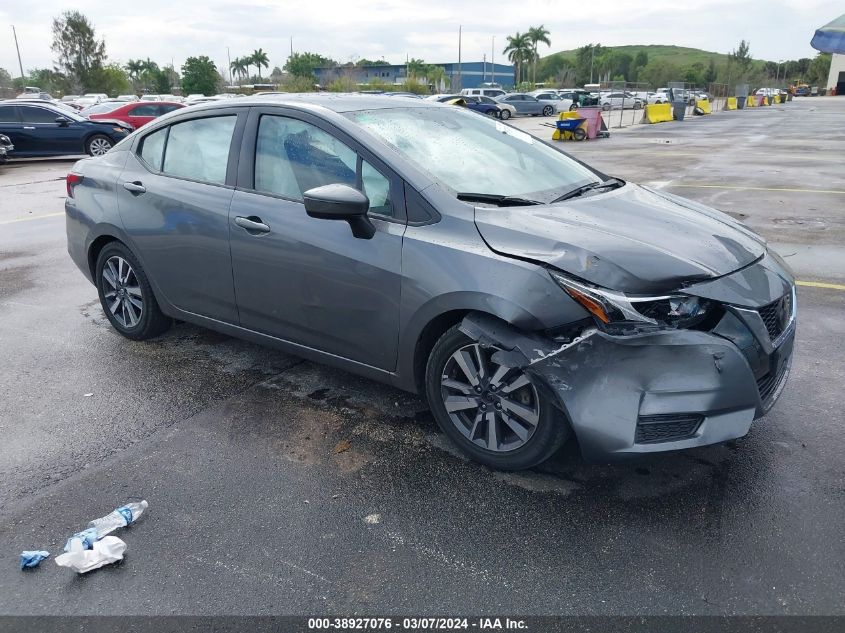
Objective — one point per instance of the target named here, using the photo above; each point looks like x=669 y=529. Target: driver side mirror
x=62 y=121
x=341 y=202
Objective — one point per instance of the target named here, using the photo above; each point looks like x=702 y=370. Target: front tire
x=496 y=415
x=605 y=107
x=548 y=111
x=126 y=295
x=506 y=114
x=98 y=145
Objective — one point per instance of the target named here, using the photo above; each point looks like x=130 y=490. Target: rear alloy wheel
x=495 y=414
x=506 y=114
x=126 y=296
x=492 y=113
x=98 y=145
x=605 y=106
x=548 y=111
x=573 y=107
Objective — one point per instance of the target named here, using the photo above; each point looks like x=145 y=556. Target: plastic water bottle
x=120 y=517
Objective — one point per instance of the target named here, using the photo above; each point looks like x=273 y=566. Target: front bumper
x=646 y=393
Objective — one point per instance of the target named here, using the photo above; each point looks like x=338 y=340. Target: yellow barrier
x=750 y=102
x=658 y=112
x=556 y=135
x=764 y=101
x=777 y=99
x=730 y=104
x=704 y=104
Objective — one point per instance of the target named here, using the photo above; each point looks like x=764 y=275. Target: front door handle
x=29 y=127
x=252 y=224
x=135 y=188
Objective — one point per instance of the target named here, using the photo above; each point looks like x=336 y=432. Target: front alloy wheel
x=494 y=407
x=99 y=145
x=495 y=414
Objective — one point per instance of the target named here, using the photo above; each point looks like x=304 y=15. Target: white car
x=151 y=98
x=619 y=100
x=127 y=98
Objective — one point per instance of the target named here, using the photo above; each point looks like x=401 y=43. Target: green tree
x=437 y=77
x=199 y=75
x=303 y=64
x=711 y=73
x=519 y=51
x=537 y=35
x=237 y=68
x=260 y=59
x=585 y=58
x=658 y=73
x=415 y=68
x=110 y=79
x=5 y=79
x=740 y=59
x=78 y=50
x=819 y=69
x=49 y=80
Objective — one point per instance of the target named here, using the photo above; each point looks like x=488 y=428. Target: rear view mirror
x=341 y=202
x=62 y=121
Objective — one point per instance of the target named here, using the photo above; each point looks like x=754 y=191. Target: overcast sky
x=166 y=30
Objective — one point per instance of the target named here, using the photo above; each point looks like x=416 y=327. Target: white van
x=483 y=92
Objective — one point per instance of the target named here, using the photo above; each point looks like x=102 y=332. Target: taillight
x=72 y=180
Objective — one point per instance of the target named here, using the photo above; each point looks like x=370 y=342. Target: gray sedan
x=526 y=104
x=448 y=254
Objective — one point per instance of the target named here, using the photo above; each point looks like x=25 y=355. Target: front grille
x=776 y=316
x=767 y=384
x=666 y=428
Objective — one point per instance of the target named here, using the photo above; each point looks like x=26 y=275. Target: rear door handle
x=134 y=187
x=252 y=224
x=29 y=127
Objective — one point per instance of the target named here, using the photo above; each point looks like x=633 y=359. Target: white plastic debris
x=121 y=517
x=106 y=551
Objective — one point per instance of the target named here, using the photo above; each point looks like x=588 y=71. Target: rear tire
x=573 y=107
x=605 y=107
x=548 y=111
x=526 y=428
x=126 y=295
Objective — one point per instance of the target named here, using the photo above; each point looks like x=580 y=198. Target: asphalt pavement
x=278 y=486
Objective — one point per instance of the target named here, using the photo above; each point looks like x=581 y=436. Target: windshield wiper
x=502 y=201
x=610 y=182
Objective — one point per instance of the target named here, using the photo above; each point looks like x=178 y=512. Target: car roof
x=336 y=102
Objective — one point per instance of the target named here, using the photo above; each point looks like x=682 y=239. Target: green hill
x=678 y=55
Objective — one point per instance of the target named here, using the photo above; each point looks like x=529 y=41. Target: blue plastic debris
x=86 y=537
x=33 y=558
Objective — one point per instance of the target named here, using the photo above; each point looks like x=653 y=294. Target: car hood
x=632 y=239
x=107 y=121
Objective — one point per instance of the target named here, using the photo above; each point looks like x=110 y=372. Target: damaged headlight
x=620 y=312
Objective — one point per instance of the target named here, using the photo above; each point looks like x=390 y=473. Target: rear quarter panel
x=92 y=212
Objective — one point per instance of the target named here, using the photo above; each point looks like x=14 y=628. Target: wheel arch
x=438 y=315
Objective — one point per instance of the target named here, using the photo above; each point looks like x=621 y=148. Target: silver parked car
x=504 y=281
x=526 y=104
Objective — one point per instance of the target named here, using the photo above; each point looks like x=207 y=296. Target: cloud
x=165 y=30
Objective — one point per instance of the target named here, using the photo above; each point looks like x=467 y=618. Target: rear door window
x=144 y=110
x=152 y=148
x=199 y=149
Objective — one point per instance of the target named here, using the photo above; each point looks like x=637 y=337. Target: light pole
x=493 y=61
x=460 y=33
x=592 y=57
x=17 y=48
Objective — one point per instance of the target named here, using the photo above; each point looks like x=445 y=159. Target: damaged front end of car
x=654 y=373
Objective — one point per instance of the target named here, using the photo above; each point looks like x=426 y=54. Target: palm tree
x=259 y=58
x=135 y=67
x=518 y=50
x=414 y=68
x=537 y=34
x=237 y=67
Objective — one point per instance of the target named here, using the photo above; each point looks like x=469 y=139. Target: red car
x=137 y=113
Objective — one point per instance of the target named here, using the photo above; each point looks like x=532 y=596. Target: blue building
x=465 y=75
